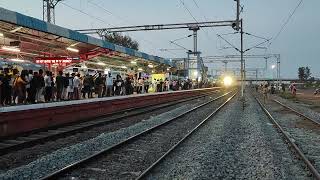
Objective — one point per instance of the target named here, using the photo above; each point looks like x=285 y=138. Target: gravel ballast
x=304 y=133
x=299 y=106
x=27 y=155
x=62 y=157
x=130 y=159
x=232 y=145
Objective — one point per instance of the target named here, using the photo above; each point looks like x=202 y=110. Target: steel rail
x=61 y=171
x=297 y=112
x=291 y=142
x=148 y=170
x=85 y=125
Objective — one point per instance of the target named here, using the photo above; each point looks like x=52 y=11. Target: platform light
x=16 y=29
x=227 y=81
x=17 y=60
x=168 y=69
x=12 y=49
x=101 y=63
x=273 y=66
x=195 y=73
x=1 y=34
x=140 y=69
x=150 y=66
x=152 y=71
x=72 y=45
x=124 y=67
x=72 y=49
x=133 y=62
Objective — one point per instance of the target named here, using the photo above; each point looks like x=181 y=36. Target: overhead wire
x=99 y=19
x=121 y=18
x=285 y=23
x=79 y=10
x=190 y=13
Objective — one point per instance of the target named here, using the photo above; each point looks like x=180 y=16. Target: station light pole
x=242 y=60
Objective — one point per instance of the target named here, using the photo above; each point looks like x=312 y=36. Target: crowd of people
x=30 y=87
x=266 y=88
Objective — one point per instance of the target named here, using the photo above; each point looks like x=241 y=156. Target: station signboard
x=56 y=60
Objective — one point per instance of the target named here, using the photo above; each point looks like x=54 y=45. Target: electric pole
x=49 y=10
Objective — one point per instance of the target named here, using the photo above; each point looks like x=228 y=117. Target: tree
x=304 y=73
x=301 y=73
x=122 y=40
x=307 y=73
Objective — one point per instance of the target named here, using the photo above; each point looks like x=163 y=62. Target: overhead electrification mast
x=49 y=10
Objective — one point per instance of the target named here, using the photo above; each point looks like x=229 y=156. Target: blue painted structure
x=36 y=24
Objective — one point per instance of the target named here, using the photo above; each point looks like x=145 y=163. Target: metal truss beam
x=155 y=27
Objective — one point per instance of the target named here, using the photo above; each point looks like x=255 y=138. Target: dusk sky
x=298 y=43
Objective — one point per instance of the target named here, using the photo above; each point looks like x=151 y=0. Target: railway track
x=28 y=140
x=301 y=132
x=133 y=157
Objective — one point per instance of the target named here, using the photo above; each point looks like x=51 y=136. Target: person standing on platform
x=1 y=87
x=29 y=78
x=76 y=86
x=99 y=85
x=91 y=80
x=15 y=75
x=86 y=86
x=146 y=85
x=65 y=87
x=161 y=85
x=127 y=85
x=40 y=88
x=6 y=88
x=166 y=84
x=109 y=85
x=20 y=87
x=118 y=85
x=47 y=87
x=60 y=85
x=70 y=87
x=33 y=87
x=140 y=83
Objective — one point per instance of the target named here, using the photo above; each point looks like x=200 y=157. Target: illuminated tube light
x=140 y=69
x=72 y=49
x=150 y=66
x=1 y=34
x=124 y=67
x=8 y=48
x=16 y=29
x=133 y=62
x=101 y=63
x=17 y=60
x=195 y=73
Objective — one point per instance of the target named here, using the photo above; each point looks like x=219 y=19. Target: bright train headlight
x=227 y=81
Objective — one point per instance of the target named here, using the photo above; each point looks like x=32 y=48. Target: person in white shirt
x=109 y=85
x=70 y=88
x=76 y=86
x=47 y=86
